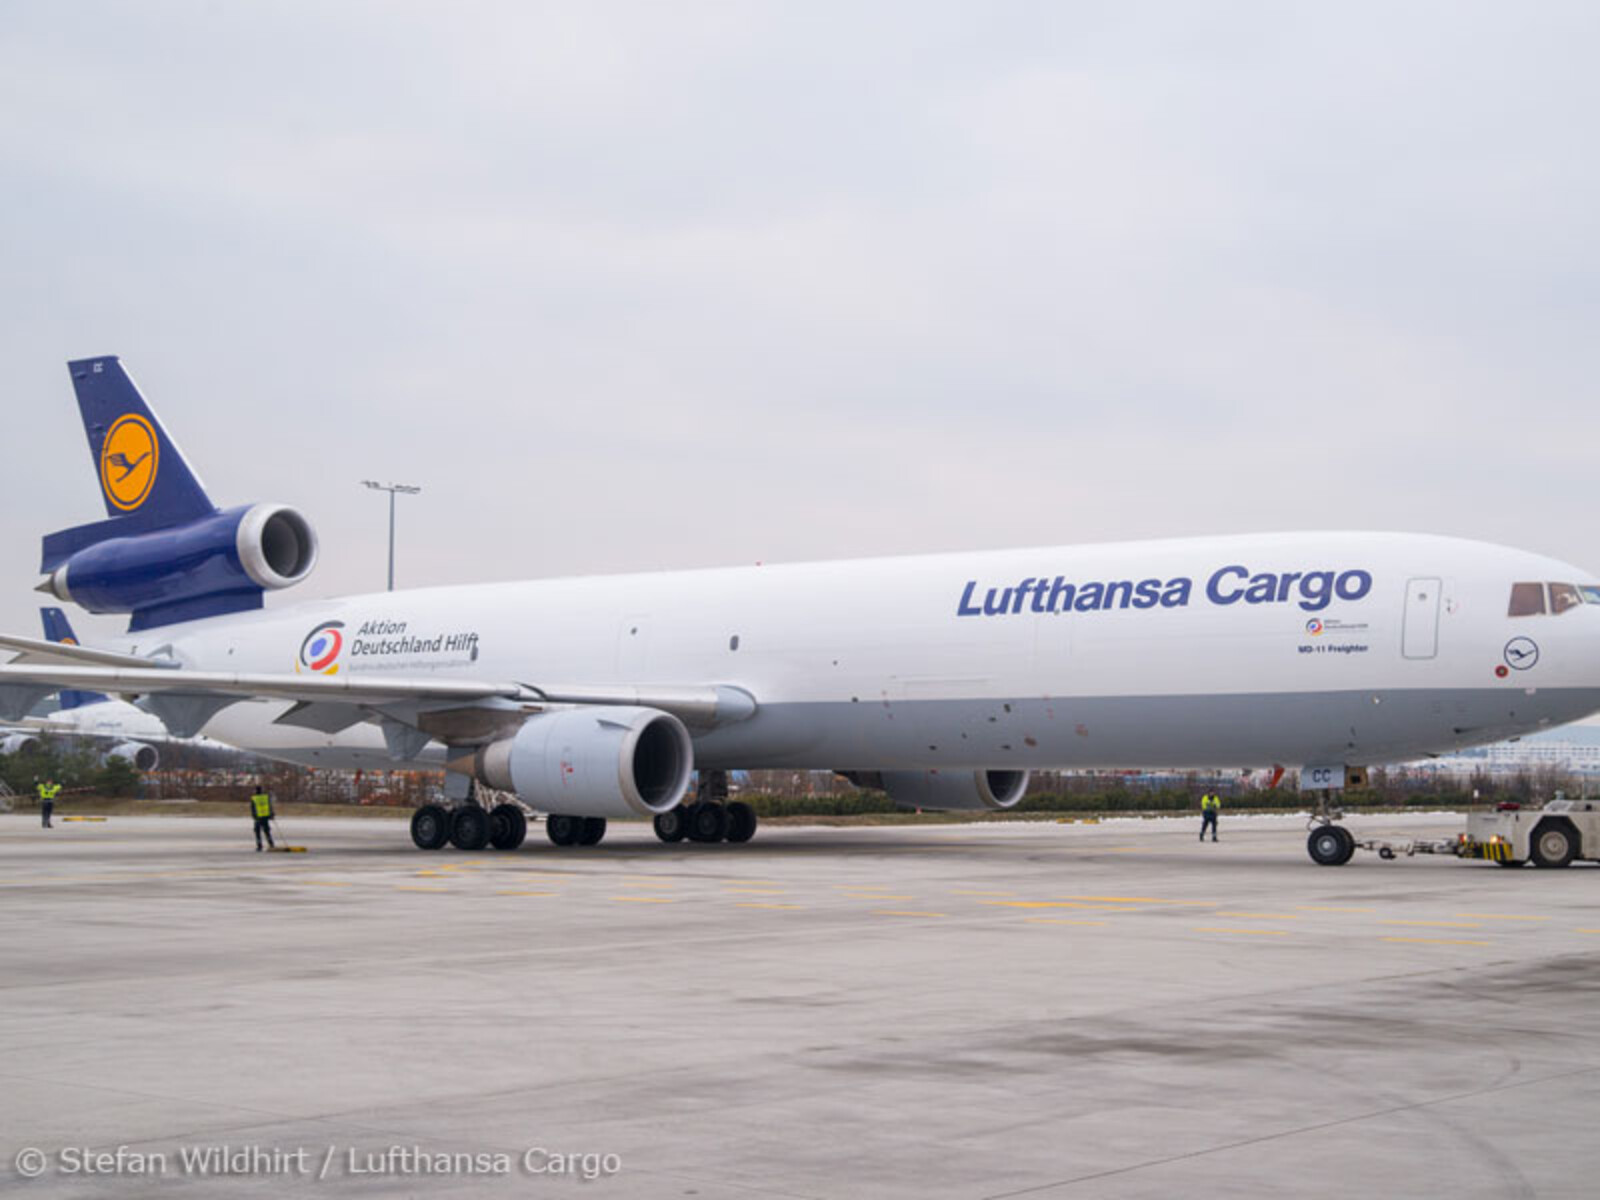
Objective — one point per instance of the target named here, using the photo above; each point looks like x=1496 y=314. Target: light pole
x=391 y=488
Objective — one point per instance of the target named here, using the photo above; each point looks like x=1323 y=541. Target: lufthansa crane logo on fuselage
x=1521 y=653
x=320 y=651
x=129 y=459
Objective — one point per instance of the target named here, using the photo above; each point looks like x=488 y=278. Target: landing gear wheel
x=563 y=831
x=469 y=828
x=508 y=826
x=672 y=825
x=430 y=827
x=593 y=831
x=741 y=822
x=1331 y=845
x=707 y=822
x=1553 y=845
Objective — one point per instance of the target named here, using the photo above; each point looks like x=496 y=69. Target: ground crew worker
x=48 y=791
x=1210 y=806
x=261 y=809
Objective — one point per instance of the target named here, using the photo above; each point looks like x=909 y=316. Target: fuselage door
x=1419 y=637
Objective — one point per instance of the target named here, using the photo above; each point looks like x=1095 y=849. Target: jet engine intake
x=947 y=791
x=138 y=755
x=592 y=762
x=18 y=743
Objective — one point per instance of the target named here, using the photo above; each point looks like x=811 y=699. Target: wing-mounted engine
x=218 y=563
x=947 y=791
x=590 y=762
x=138 y=755
x=18 y=743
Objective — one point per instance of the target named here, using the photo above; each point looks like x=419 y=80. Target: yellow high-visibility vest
x=262 y=803
x=1210 y=802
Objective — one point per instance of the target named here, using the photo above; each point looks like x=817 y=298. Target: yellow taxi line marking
x=1436 y=924
x=1439 y=941
x=1061 y=921
x=1266 y=916
x=1245 y=932
x=1333 y=908
x=764 y=904
x=1587 y=931
x=644 y=900
x=1139 y=900
x=904 y=912
x=512 y=892
x=1501 y=917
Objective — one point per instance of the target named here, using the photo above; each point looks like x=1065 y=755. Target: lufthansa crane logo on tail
x=321 y=649
x=129 y=458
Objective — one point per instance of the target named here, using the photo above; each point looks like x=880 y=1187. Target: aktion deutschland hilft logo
x=129 y=458
x=320 y=651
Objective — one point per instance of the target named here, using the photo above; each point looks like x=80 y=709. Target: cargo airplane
x=942 y=679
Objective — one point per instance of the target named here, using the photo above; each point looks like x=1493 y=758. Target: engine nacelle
x=18 y=743
x=218 y=563
x=138 y=755
x=952 y=791
x=593 y=762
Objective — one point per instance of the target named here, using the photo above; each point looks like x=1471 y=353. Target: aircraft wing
x=410 y=711
x=37 y=652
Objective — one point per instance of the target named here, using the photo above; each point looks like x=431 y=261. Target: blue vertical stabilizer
x=57 y=629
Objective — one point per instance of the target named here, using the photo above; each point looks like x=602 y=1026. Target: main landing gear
x=1329 y=844
x=711 y=818
x=469 y=826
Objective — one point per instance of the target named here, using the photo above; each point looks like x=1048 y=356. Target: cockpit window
x=1562 y=597
x=1591 y=593
x=1527 y=600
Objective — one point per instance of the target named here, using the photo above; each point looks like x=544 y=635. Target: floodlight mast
x=392 y=488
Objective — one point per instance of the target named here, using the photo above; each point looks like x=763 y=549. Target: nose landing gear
x=1329 y=844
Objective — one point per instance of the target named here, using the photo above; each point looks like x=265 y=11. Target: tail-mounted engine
x=215 y=564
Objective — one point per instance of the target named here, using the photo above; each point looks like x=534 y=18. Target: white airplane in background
x=128 y=733
x=943 y=679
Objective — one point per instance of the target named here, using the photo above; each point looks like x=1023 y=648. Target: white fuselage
x=1289 y=648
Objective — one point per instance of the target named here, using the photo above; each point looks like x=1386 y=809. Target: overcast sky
x=644 y=286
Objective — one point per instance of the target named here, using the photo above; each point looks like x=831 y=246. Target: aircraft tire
x=708 y=822
x=563 y=830
x=508 y=826
x=430 y=827
x=1553 y=844
x=593 y=831
x=742 y=822
x=672 y=825
x=469 y=828
x=1331 y=845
